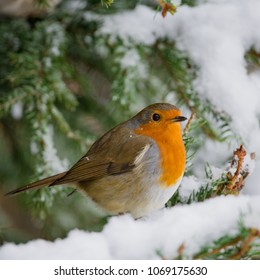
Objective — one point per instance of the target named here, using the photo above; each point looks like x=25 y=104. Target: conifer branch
x=225 y=184
x=191 y=118
x=236 y=247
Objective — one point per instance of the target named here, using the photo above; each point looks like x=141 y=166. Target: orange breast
x=172 y=151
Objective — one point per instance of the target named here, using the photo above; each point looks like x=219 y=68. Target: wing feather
x=106 y=157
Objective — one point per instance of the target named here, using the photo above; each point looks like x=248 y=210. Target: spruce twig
x=246 y=243
x=180 y=252
x=236 y=182
x=232 y=248
x=191 y=118
x=217 y=250
x=167 y=7
x=225 y=184
x=107 y=3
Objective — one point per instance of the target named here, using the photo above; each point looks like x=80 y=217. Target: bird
x=133 y=168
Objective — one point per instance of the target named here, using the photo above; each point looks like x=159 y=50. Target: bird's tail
x=38 y=184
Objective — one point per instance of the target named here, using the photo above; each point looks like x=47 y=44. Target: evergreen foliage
x=70 y=84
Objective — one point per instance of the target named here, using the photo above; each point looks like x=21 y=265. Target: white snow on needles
x=216 y=36
x=163 y=233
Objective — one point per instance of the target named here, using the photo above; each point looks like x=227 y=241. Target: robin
x=134 y=168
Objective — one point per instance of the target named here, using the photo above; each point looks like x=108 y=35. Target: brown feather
x=104 y=158
x=37 y=185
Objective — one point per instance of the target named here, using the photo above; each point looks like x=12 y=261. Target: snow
x=138 y=26
x=125 y=238
x=130 y=59
x=79 y=244
x=223 y=43
x=189 y=184
x=176 y=2
x=50 y=153
x=17 y=111
x=56 y=33
x=75 y=5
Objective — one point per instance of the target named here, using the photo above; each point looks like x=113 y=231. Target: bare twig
x=167 y=7
x=245 y=246
x=237 y=181
x=192 y=117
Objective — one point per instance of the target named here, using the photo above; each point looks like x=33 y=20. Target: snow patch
x=189 y=185
x=50 y=153
x=125 y=238
x=17 y=110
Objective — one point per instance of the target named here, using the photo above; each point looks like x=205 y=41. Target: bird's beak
x=179 y=119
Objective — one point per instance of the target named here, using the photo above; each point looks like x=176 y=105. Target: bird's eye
x=156 y=117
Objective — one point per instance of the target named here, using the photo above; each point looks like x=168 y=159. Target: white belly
x=155 y=198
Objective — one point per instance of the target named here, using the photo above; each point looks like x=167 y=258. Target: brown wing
x=114 y=153
x=110 y=155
